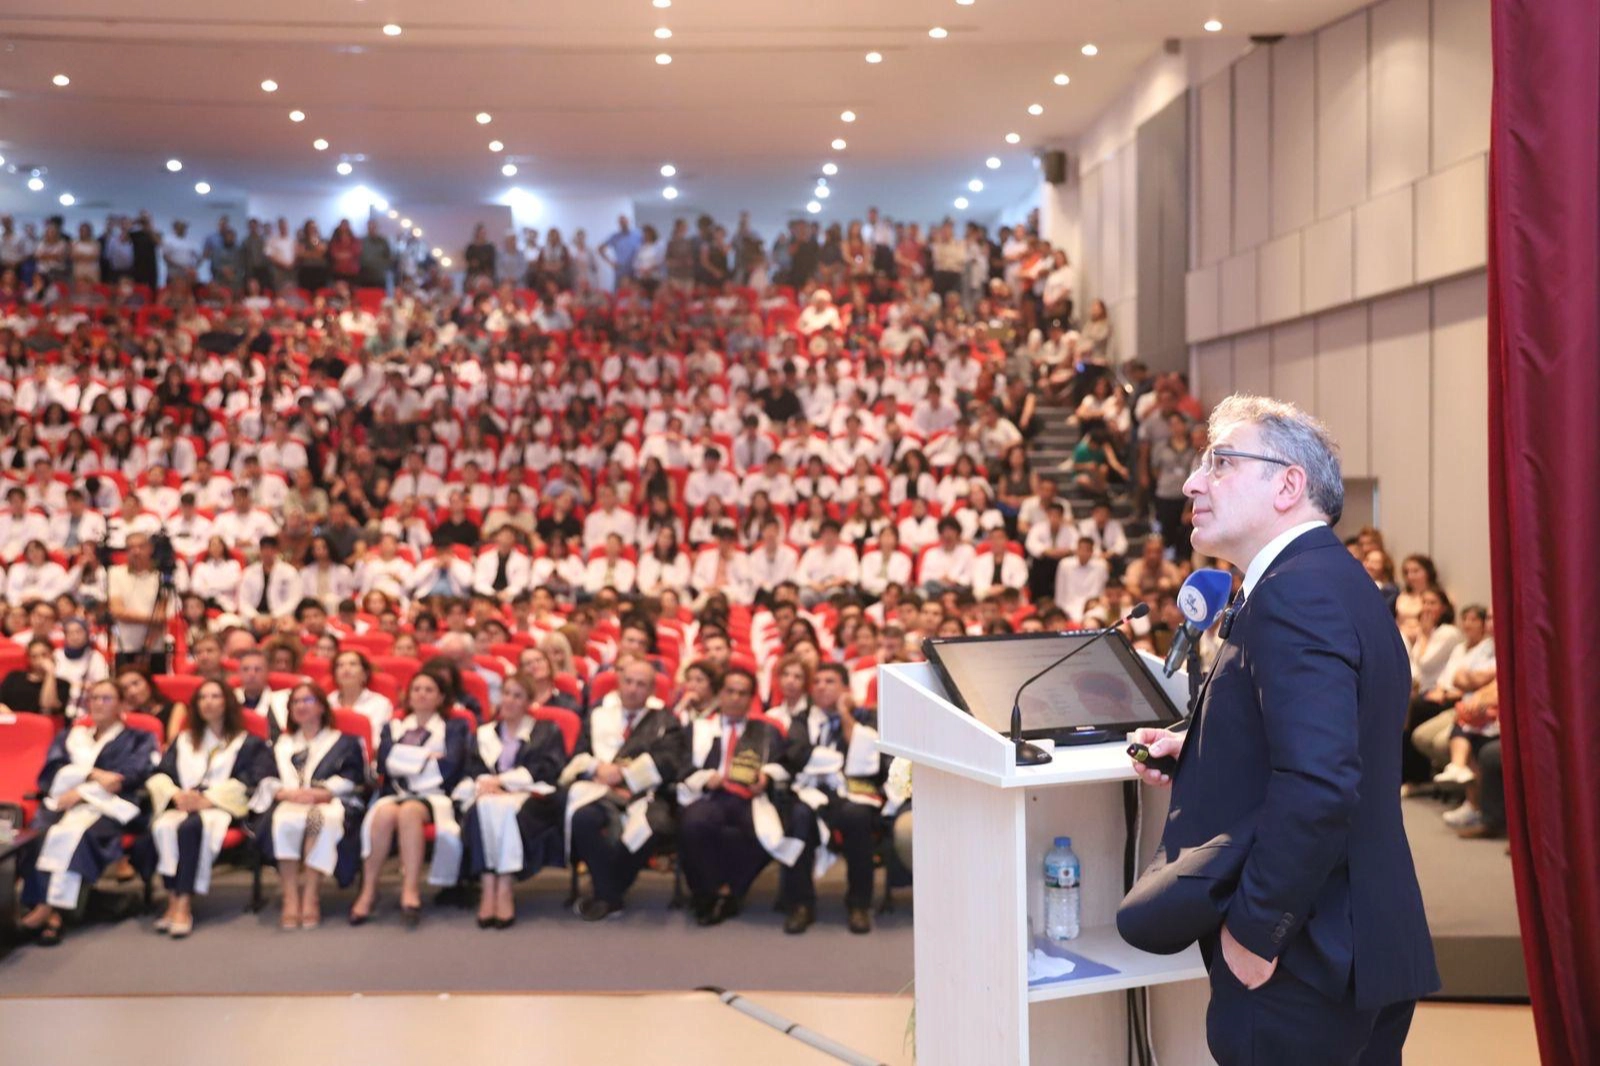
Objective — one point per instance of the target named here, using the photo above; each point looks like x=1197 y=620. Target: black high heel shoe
x=489 y=923
x=505 y=923
x=411 y=917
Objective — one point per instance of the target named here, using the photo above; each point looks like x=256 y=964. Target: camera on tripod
x=164 y=556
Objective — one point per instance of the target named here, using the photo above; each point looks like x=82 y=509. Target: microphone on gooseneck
x=1031 y=754
x=1202 y=599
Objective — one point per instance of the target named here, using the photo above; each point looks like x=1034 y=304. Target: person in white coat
x=505 y=572
x=352 y=674
x=269 y=585
x=999 y=567
x=35 y=576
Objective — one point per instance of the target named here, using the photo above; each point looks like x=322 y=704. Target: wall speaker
x=1054 y=165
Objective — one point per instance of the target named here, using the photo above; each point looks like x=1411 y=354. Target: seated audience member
x=998 y=567
x=140 y=696
x=841 y=792
x=36 y=688
x=35 y=576
x=1433 y=640
x=1080 y=579
x=733 y=800
x=201 y=789
x=76 y=662
x=628 y=752
x=421 y=758
x=310 y=806
x=1491 y=821
x=352 y=674
x=539 y=668
x=90 y=785
x=1477 y=725
x=512 y=810
x=947 y=565
x=254 y=695
x=1432 y=716
x=697 y=695
x=828 y=567
x=1151 y=572
x=1047 y=543
x=884 y=564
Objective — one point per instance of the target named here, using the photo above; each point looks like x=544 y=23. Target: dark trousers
x=597 y=843
x=1492 y=787
x=1414 y=766
x=855 y=827
x=191 y=838
x=1288 y=1021
x=717 y=845
x=1170 y=514
x=1042 y=578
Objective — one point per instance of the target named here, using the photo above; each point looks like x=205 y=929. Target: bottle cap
x=1063 y=842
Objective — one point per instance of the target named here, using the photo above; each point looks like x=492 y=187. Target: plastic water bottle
x=1061 y=904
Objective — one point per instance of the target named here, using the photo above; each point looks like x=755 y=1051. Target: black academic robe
x=539 y=760
x=344 y=761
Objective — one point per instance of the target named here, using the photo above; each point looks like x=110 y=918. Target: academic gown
x=727 y=835
x=408 y=773
x=227 y=773
x=78 y=843
x=517 y=831
x=333 y=761
x=614 y=832
x=841 y=790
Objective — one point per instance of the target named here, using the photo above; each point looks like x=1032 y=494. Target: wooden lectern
x=982 y=827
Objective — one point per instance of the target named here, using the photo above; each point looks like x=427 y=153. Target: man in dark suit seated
x=1324 y=947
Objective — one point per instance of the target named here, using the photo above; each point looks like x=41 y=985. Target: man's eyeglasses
x=1218 y=462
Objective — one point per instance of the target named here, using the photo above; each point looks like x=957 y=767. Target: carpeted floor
x=1472 y=907
x=649 y=948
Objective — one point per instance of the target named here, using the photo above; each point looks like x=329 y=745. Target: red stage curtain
x=1544 y=459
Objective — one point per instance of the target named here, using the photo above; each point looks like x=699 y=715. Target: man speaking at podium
x=1294 y=751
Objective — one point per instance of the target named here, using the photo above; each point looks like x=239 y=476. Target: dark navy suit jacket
x=1298 y=738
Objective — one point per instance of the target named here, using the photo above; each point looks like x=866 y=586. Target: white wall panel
x=1460 y=389
x=1237 y=303
x=1399 y=357
x=1092 y=280
x=1214 y=176
x=1462 y=78
x=1112 y=196
x=1341 y=338
x=1399 y=83
x=1201 y=304
x=1214 y=368
x=1294 y=125
x=1385 y=243
x=1294 y=363
x=1128 y=168
x=1342 y=115
x=1252 y=158
x=1452 y=220
x=1252 y=363
x=1278 y=292
x=1328 y=262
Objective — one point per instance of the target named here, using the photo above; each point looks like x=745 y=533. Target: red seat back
x=565 y=720
x=256 y=725
x=355 y=724
x=179 y=688
x=24 y=743
x=476 y=687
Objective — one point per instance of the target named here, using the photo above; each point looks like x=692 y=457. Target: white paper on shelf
x=1043 y=967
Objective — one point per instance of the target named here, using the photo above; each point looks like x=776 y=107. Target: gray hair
x=1292 y=434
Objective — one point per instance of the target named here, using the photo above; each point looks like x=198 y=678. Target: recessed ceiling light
x=174 y=165
x=1013 y=138
x=509 y=170
x=381 y=204
x=66 y=199
x=393 y=214
x=320 y=144
x=1213 y=26
x=344 y=169
x=670 y=192
x=391 y=29
x=447 y=262
x=438 y=253
x=497 y=146
x=61 y=81
x=1090 y=50
x=822 y=192
x=975 y=185
x=297 y=116
x=839 y=144
x=1035 y=109
x=847 y=116
x=269 y=86
x=1061 y=79
x=663 y=4
x=814 y=206
x=874 y=57
x=663 y=59
x=663 y=34
x=965 y=3
x=938 y=33
x=961 y=203
x=484 y=118
x=405 y=223
x=668 y=170
x=203 y=188
x=830 y=169
x=993 y=162
x=416 y=231
x=36 y=184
